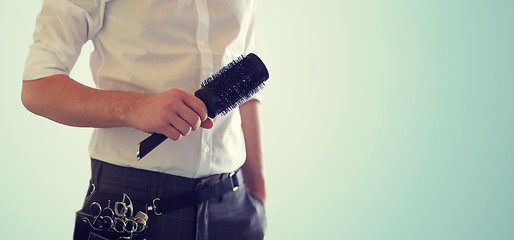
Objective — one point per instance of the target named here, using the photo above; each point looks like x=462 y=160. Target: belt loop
x=154 y=188
x=96 y=168
x=235 y=182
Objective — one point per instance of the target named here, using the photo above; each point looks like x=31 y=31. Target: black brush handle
x=147 y=145
x=210 y=100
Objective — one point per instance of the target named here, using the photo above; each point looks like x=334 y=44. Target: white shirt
x=149 y=47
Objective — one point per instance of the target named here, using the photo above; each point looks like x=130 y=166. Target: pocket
x=259 y=206
x=258 y=217
x=255 y=199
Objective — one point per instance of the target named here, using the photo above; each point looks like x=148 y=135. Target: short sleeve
x=62 y=28
x=252 y=48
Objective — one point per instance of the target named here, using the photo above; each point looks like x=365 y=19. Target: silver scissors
x=107 y=216
x=124 y=208
x=119 y=219
x=102 y=217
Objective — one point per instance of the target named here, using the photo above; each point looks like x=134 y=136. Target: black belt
x=227 y=182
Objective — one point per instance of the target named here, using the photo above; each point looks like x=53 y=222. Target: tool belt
x=115 y=217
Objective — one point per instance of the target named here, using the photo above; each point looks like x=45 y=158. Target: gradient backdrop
x=382 y=120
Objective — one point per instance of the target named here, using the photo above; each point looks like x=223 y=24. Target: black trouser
x=120 y=197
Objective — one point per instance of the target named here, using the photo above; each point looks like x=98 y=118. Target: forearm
x=174 y=113
x=253 y=169
x=66 y=101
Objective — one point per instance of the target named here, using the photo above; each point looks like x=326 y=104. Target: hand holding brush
x=220 y=93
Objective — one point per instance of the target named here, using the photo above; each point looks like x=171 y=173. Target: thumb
x=207 y=124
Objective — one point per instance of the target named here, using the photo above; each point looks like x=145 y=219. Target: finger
x=196 y=105
x=207 y=124
x=172 y=133
x=189 y=116
x=180 y=125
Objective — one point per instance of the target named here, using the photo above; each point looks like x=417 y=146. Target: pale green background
x=382 y=120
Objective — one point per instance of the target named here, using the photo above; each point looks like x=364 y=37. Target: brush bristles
x=242 y=99
x=221 y=71
x=237 y=82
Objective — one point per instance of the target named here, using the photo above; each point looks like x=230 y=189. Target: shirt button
x=206 y=149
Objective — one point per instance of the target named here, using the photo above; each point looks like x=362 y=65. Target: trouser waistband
x=162 y=192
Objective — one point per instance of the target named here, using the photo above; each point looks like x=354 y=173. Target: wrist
x=132 y=110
